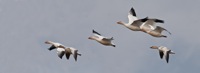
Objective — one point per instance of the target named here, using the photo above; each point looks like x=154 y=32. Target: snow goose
x=101 y=39
x=163 y=52
x=54 y=45
x=149 y=27
x=133 y=22
x=149 y=23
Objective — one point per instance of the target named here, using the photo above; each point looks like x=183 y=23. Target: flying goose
x=163 y=52
x=133 y=22
x=149 y=23
x=54 y=45
x=149 y=27
x=101 y=39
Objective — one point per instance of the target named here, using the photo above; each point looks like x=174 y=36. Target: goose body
x=163 y=52
x=101 y=39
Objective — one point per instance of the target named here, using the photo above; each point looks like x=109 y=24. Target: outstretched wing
x=67 y=53
x=132 y=16
x=132 y=12
x=161 y=54
x=158 y=20
x=75 y=54
x=160 y=29
x=154 y=21
x=52 y=47
x=60 y=54
x=95 y=32
x=167 y=56
x=99 y=35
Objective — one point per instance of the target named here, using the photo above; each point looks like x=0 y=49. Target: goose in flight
x=101 y=39
x=133 y=22
x=149 y=27
x=163 y=52
x=149 y=23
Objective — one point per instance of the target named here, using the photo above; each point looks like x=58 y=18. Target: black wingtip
x=51 y=48
x=60 y=57
x=144 y=19
x=169 y=32
x=112 y=38
x=93 y=30
x=165 y=36
x=167 y=56
x=167 y=60
x=159 y=21
x=79 y=54
x=132 y=11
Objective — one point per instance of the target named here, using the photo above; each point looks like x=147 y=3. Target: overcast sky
x=26 y=24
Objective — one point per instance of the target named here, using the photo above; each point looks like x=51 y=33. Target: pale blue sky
x=26 y=24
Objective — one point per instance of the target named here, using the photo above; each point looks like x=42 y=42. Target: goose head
x=121 y=23
x=48 y=42
x=92 y=38
x=154 y=47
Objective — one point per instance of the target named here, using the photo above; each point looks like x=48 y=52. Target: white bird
x=54 y=45
x=163 y=52
x=149 y=27
x=150 y=23
x=133 y=22
x=101 y=39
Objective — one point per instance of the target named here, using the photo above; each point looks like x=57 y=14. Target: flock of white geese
x=146 y=25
